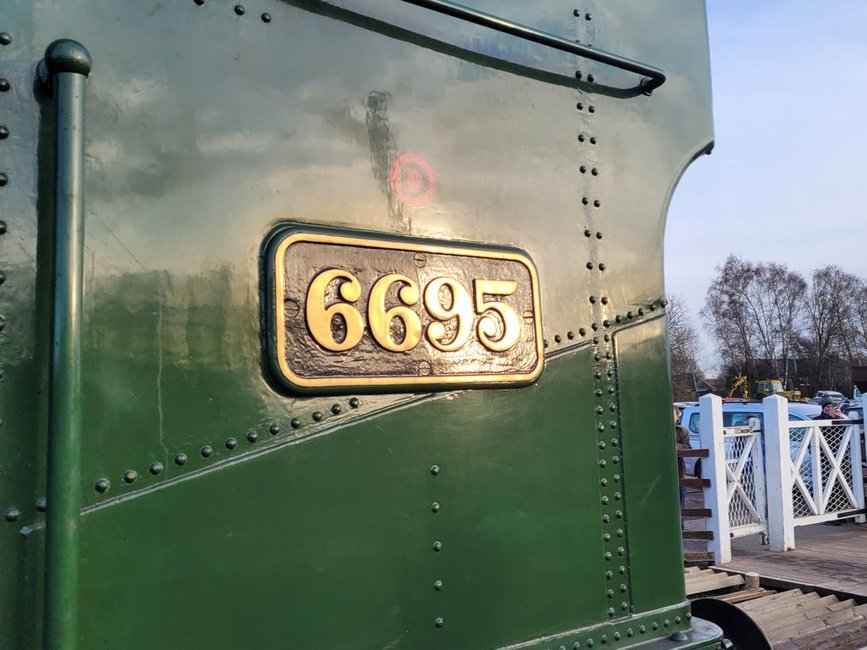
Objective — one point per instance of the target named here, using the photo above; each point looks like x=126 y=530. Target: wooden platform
x=829 y=557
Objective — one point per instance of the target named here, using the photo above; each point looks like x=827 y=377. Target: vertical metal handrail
x=65 y=68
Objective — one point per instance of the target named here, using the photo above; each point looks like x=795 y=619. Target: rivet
x=603 y=639
x=354 y=402
x=606 y=323
x=578 y=74
x=603 y=482
x=5 y=38
x=584 y=200
x=180 y=459
x=4 y=179
x=274 y=429
x=231 y=443
x=630 y=315
x=2 y=227
x=581 y=138
x=130 y=476
x=589 y=643
x=630 y=632
x=594 y=326
x=618 y=318
x=603 y=463
x=611 y=390
x=598 y=235
x=252 y=436
x=582 y=331
x=597 y=375
x=592 y=300
x=12 y=514
x=266 y=18
x=437 y=547
x=590 y=78
x=604 y=300
x=598 y=392
x=295 y=423
x=599 y=409
x=439 y=622
x=596 y=357
x=591 y=108
x=602 y=266
x=579 y=106
x=618 y=514
x=239 y=10
x=435 y=507
x=677 y=620
x=4 y=85
x=655 y=626
x=609 y=575
x=597 y=203
x=607 y=556
x=336 y=409
x=592 y=140
x=663 y=302
x=4 y=133
x=623 y=589
x=557 y=338
x=605 y=519
x=589 y=265
x=624 y=606
x=438 y=585
x=622 y=570
x=615 y=459
x=206 y=451
x=606 y=538
x=600 y=427
x=604 y=501
x=576 y=13
x=576 y=645
x=666 y=623
x=199 y=2
x=317 y=416
x=545 y=342
x=583 y=170
x=155 y=468
x=616 y=636
x=588 y=16
x=594 y=172
x=570 y=335
x=607 y=337
x=435 y=469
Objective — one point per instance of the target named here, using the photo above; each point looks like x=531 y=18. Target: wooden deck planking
x=831 y=557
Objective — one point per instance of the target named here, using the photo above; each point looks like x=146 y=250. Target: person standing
x=681 y=442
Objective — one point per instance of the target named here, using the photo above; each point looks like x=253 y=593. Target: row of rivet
x=240 y=10
x=11 y=514
x=607 y=323
x=156 y=468
x=437 y=545
x=613 y=636
x=231 y=443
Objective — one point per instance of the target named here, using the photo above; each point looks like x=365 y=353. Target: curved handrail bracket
x=653 y=77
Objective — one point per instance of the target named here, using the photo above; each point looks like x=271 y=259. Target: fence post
x=716 y=496
x=781 y=522
x=857 y=458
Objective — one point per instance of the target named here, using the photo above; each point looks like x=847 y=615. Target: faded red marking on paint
x=412 y=181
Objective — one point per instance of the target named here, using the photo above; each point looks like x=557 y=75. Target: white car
x=737 y=414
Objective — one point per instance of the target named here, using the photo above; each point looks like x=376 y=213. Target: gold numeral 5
x=497 y=334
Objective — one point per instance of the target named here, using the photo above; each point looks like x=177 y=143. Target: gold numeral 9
x=380 y=319
x=319 y=318
x=461 y=308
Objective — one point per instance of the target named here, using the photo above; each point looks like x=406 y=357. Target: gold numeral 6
x=319 y=319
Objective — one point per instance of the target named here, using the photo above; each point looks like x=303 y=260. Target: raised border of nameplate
x=277 y=248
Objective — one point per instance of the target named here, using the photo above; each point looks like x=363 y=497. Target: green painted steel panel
x=204 y=130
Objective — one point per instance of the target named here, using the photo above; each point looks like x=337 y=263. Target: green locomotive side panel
x=220 y=509
x=339 y=534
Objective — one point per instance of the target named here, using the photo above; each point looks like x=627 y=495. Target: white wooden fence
x=768 y=480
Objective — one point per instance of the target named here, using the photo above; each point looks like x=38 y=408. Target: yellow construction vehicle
x=768 y=387
x=740 y=383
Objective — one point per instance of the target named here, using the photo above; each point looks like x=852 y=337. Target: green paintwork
x=205 y=129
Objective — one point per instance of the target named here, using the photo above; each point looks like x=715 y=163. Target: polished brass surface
x=383 y=312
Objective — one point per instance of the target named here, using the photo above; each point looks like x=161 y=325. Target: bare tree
x=727 y=316
x=683 y=349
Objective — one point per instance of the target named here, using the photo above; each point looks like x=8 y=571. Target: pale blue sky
x=787 y=179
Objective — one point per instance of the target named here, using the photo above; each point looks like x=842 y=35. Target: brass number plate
x=360 y=312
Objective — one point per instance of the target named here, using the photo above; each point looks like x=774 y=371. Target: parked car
x=737 y=414
x=833 y=394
